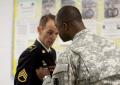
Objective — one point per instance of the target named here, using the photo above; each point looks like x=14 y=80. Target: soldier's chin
x=65 y=40
x=50 y=44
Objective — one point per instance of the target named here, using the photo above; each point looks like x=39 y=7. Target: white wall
x=6 y=18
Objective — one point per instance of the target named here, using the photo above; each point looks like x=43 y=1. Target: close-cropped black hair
x=68 y=14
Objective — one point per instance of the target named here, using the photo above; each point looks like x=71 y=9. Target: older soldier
x=90 y=59
x=38 y=60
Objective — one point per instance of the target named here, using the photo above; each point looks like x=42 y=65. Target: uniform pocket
x=60 y=75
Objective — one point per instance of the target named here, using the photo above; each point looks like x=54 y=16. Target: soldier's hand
x=42 y=72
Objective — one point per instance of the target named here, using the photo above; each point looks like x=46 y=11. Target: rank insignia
x=22 y=76
x=43 y=51
x=32 y=47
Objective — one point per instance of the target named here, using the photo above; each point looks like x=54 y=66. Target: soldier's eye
x=50 y=32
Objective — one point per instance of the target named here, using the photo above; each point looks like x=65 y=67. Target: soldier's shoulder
x=28 y=51
x=31 y=48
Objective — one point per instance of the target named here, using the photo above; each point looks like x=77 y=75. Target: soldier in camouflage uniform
x=90 y=59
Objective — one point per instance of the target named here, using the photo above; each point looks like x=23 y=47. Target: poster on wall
x=67 y=2
x=89 y=9
x=112 y=19
x=89 y=14
x=48 y=6
x=112 y=29
x=112 y=8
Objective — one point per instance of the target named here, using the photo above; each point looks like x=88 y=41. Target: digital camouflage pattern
x=90 y=60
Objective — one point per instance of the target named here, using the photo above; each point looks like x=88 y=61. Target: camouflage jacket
x=89 y=60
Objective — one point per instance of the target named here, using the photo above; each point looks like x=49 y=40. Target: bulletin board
x=99 y=16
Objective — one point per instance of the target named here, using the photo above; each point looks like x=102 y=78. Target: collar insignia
x=43 y=51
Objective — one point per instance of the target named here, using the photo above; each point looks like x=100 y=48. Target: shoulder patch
x=31 y=48
x=22 y=76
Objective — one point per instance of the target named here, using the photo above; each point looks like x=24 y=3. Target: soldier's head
x=69 y=22
x=47 y=30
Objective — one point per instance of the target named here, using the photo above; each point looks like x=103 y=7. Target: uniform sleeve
x=78 y=72
x=25 y=69
x=47 y=81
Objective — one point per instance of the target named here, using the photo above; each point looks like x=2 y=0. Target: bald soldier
x=90 y=59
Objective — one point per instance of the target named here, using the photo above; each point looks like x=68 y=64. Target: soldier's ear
x=65 y=26
x=39 y=28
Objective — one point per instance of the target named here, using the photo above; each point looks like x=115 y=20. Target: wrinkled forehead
x=50 y=24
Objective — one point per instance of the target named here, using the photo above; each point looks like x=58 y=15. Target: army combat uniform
x=32 y=58
x=89 y=60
